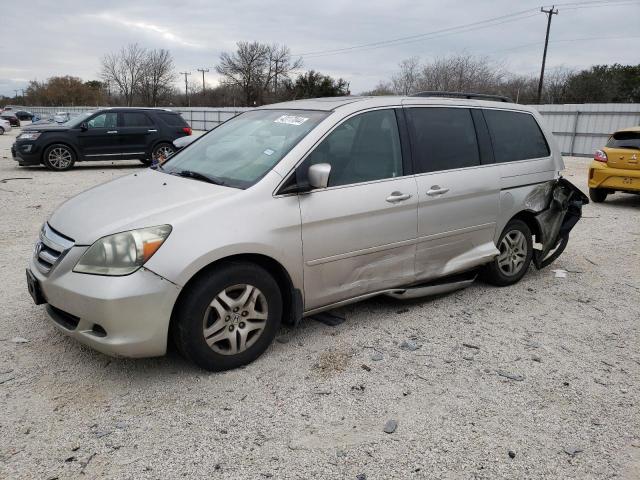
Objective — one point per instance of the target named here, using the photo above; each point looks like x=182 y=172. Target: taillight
x=600 y=156
x=187 y=130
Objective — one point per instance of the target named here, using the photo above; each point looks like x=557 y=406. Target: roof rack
x=477 y=96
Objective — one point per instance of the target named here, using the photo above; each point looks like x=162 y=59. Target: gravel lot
x=315 y=405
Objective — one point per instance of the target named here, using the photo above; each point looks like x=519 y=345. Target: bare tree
x=125 y=70
x=461 y=73
x=254 y=66
x=405 y=81
x=157 y=77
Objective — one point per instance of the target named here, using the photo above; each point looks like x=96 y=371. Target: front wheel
x=59 y=157
x=228 y=318
x=516 y=250
x=598 y=195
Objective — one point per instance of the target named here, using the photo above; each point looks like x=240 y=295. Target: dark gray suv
x=107 y=134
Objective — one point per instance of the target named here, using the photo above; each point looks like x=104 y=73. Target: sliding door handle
x=435 y=190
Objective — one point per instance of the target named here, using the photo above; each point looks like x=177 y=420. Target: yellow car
x=616 y=168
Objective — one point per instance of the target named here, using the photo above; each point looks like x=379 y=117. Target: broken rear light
x=600 y=156
x=187 y=130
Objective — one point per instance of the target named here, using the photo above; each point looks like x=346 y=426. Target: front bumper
x=602 y=175
x=120 y=316
x=26 y=153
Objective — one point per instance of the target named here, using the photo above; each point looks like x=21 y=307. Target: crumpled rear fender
x=564 y=203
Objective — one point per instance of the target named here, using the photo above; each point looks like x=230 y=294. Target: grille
x=50 y=249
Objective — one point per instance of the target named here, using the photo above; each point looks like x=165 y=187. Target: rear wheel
x=516 y=250
x=598 y=195
x=1 y=131
x=59 y=157
x=229 y=318
x=163 y=149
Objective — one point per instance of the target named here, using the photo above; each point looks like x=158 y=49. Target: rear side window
x=624 y=140
x=135 y=119
x=173 y=119
x=442 y=139
x=515 y=136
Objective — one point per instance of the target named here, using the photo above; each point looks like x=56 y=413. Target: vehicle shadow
x=623 y=200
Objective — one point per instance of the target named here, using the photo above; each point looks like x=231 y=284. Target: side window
x=361 y=149
x=104 y=120
x=135 y=119
x=515 y=136
x=442 y=138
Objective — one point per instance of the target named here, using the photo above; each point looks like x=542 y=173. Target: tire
x=146 y=162
x=1 y=131
x=59 y=157
x=213 y=314
x=163 y=147
x=515 y=237
x=598 y=195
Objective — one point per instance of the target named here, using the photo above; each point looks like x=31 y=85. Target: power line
x=489 y=22
x=550 y=13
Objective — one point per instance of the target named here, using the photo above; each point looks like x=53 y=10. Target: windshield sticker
x=268 y=151
x=291 y=120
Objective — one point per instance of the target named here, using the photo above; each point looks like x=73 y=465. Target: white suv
x=297 y=208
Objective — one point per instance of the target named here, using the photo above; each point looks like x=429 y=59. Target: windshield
x=242 y=150
x=76 y=119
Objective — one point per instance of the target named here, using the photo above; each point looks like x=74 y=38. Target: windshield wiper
x=199 y=176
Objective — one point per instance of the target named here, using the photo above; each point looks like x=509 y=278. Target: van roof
x=329 y=104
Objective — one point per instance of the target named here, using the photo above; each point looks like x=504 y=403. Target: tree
x=254 y=66
x=67 y=90
x=314 y=84
x=406 y=80
x=157 y=77
x=125 y=70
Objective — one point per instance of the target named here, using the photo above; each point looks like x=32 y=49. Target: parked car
x=24 y=115
x=11 y=118
x=5 y=126
x=108 y=134
x=296 y=208
x=616 y=168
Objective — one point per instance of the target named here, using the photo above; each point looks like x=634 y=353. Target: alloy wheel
x=59 y=158
x=235 y=319
x=513 y=253
x=164 y=150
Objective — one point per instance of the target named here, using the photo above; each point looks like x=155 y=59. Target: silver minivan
x=297 y=208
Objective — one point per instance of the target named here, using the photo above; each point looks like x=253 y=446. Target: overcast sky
x=42 y=38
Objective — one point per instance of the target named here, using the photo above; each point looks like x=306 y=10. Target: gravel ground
x=538 y=380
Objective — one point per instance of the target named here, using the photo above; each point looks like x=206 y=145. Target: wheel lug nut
x=227 y=318
x=231 y=328
x=245 y=313
x=241 y=325
x=236 y=309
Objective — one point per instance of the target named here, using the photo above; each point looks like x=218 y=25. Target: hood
x=143 y=199
x=45 y=127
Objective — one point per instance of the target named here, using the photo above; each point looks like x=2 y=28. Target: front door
x=358 y=234
x=100 y=141
x=137 y=134
x=458 y=197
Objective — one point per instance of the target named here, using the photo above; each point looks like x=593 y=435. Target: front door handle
x=112 y=131
x=398 y=197
x=435 y=190
x=152 y=130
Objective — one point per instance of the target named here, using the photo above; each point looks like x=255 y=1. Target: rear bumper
x=603 y=176
x=120 y=316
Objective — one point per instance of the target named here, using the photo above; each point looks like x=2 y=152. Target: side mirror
x=319 y=175
x=84 y=127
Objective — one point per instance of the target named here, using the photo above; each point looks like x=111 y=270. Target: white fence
x=579 y=129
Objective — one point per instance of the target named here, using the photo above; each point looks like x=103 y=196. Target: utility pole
x=203 y=70
x=186 y=87
x=16 y=97
x=550 y=13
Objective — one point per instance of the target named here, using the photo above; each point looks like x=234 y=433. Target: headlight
x=29 y=135
x=122 y=253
